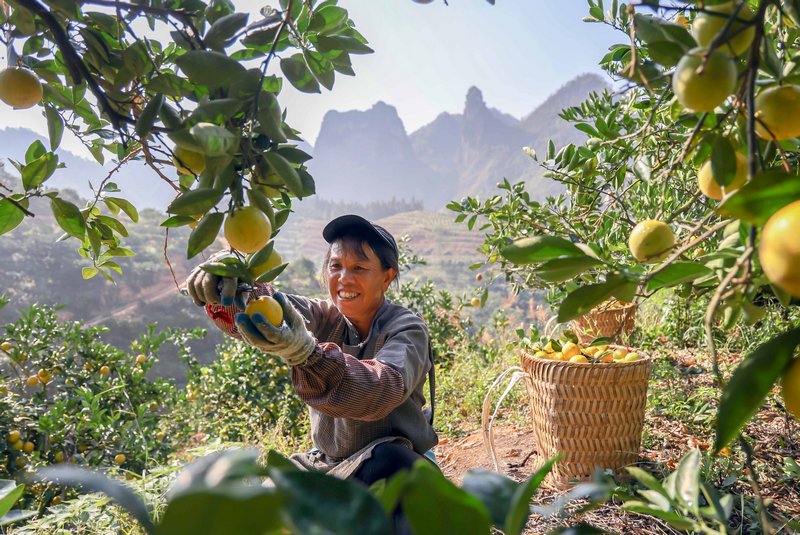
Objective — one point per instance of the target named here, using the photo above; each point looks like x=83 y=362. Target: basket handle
x=487 y=419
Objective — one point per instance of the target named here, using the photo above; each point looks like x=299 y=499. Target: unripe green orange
x=702 y=85
x=189 y=162
x=706 y=26
x=268 y=307
x=247 y=229
x=651 y=241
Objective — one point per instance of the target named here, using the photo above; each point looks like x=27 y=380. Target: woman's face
x=356 y=284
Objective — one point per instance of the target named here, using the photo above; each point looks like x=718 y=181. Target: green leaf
x=209 y=68
x=342 y=42
x=15 y=516
x=220 y=33
x=270 y=118
x=239 y=509
x=318 y=503
x=494 y=490
x=263 y=203
x=216 y=111
x=10 y=215
x=586 y=298
x=764 y=195
x=148 y=117
x=286 y=171
x=750 y=384
x=676 y=273
x=10 y=492
x=429 y=493
x=55 y=126
x=195 y=202
x=321 y=68
x=90 y=481
x=35 y=151
x=280 y=462
x=665 y=52
x=204 y=234
x=68 y=217
x=124 y=205
x=327 y=19
x=687 y=479
x=213 y=140
x=89 y=272
x=178 y=221
x=272 y=274
x=647 y=479
x=299 y=75
x=234 y=271
x=520 y=504
x=540 y=249
x=562 y=269
x=673 y=519
x=723 y=161
x=38 y=170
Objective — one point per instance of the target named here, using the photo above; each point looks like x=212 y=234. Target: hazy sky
x=518 y=52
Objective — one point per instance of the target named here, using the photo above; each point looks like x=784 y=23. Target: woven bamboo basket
x=592 y=414
x=605 y=321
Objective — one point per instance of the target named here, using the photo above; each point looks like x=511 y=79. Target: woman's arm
x=340 y=385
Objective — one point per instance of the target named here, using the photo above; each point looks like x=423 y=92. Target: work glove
x=205 y=288
x=292 y=341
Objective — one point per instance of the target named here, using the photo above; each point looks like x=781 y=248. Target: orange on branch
x=779 y=250
x=651 y=241
x=740 y=34
x=778 y=112
x=702 y=85
x=20 y=88
x=711 y=188
x=247 y=229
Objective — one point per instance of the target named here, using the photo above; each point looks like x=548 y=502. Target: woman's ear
x=389 y=276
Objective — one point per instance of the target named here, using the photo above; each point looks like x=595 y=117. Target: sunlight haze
x=427 y=57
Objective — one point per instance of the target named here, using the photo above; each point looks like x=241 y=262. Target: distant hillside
x=367 y=156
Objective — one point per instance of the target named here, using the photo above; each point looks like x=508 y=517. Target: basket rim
x=645 y=358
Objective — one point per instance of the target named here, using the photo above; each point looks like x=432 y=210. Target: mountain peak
x=475 y=103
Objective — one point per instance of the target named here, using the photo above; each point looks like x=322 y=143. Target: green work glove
x=205 y=288
x=292 y=341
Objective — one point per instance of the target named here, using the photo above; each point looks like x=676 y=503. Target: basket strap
x=487 y=419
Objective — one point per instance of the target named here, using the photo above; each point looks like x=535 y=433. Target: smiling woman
x=358 y=361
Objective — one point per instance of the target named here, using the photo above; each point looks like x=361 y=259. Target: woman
x=358 y=361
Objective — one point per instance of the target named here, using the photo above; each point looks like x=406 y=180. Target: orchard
x=687 y=186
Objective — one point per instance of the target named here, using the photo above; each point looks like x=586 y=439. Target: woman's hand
x=205 y=288
x=292 y=341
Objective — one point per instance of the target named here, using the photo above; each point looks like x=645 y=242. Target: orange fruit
x=120 y=458
x=274 y=260
x=706 y=26
x=790 y=388
x=247 y=229
x=711 y=188
x=267 y=306
x=651 y=241
x=702 y=85
x=20 y=88
x=105 y=370
x=779 y=250
x=141 y=359
x=32 y=381
x=189 y=162
x=778 y=112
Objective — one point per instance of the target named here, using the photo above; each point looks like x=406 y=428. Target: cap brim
x=338 y=226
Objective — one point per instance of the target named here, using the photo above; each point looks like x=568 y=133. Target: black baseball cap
x=340 y=225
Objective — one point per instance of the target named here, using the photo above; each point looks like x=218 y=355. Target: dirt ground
x=773 y=435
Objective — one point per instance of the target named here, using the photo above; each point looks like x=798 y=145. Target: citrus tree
x=190 y=88
x=687 y=180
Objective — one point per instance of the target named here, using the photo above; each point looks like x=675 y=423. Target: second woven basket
x=592 y=414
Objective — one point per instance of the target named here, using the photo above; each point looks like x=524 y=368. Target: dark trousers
x=388 y=459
